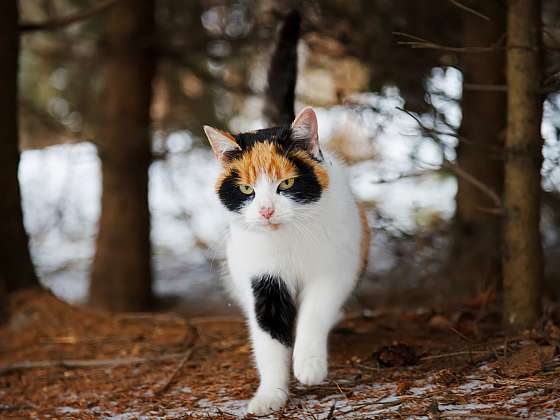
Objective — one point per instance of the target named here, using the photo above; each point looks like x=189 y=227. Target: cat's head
x=271 y=177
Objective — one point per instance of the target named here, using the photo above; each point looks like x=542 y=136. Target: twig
x=455 y=354
x=179 y=367
x=148 y=316
x=211 y=319
x=379 y=402
x=455 y=168
x=460 y=172
x=431 y=131
x=434 y=412
x=479 y=416
x=341 y=391
x=461 y=335
x=84 y=363
x=417 y=42
x=193 y=334
x=61 y=22
x=468 y=9
x=331 y=411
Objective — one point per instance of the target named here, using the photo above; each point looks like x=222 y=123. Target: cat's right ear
x=222 y=143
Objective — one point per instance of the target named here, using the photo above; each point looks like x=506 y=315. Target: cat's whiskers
x=306 y=231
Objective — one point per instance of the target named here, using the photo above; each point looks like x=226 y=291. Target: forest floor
x=61 y=361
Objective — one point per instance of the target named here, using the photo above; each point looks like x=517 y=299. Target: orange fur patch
x=364 y=243
x=265 y=158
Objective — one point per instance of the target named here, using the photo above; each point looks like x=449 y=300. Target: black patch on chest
x=274 y=308
x=306 y=188
x=230 y=194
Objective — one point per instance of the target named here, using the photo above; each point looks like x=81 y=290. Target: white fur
x=316 y=252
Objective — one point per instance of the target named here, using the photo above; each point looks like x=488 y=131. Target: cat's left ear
x=305 y=131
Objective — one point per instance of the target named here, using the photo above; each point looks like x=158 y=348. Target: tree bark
x=3 y=301
x=122 y=271
x=475 y=259
x=16 y=267
x=523 y=259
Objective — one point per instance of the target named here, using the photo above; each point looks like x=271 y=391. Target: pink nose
x=266 y=212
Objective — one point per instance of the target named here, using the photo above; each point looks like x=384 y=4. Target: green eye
x=246 y=189
x=287 y=184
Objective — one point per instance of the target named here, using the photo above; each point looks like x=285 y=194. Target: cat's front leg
x=320 y=309
x=271 y=323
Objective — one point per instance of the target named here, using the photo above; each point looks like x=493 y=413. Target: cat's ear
x=222 y=143
x=305 y=132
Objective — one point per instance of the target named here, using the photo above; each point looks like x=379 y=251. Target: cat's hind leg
x=271 y=323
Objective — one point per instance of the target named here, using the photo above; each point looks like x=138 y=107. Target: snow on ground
x=372 y=401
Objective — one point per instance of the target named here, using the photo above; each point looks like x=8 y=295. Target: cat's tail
x=282 y=74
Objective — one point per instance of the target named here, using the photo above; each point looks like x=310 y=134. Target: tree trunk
x=475 y=260
x=16 y=267
x=523 y=260
x=3 y=300
x=122 y=271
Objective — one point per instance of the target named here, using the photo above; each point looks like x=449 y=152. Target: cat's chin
x=266 y=227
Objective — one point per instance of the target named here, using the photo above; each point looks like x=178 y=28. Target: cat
x=296 y=246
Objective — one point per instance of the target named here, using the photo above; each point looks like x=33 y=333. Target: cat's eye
x=246 y=189
x=287 y=184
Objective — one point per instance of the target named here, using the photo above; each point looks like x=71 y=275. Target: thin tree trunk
x=122 y=271
x=523 y=260
x=475 y=260
x=16 y=267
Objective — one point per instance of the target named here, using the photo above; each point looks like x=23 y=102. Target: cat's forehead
x=275 y=163
x=263 y=158
x=277 y=135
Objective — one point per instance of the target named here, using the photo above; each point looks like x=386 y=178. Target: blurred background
x=117 y=179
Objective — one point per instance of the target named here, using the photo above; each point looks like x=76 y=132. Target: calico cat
x=296 y=246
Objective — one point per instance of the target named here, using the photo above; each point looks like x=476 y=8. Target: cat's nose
x=266 y=212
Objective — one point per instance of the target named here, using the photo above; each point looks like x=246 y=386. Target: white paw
x=265 y=402
x=310 y=369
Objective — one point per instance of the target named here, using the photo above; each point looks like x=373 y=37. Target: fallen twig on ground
x=187 y=355
x=84 y=363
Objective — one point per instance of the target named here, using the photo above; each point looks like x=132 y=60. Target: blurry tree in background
x=16 y=268
x=121 y=278
x=475 y=258
x=523 y=259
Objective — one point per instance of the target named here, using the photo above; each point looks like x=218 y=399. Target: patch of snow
x=68 y=410
x=465 y=408
x=473 y=385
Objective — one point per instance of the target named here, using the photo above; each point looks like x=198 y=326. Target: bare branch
x=430 y=132
x=469 y=10
x=422 y=43
x=62 y=22
x=460 y=172
x=417 y=42
x=456 y=169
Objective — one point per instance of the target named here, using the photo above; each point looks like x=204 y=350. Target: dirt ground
x=60 y=361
